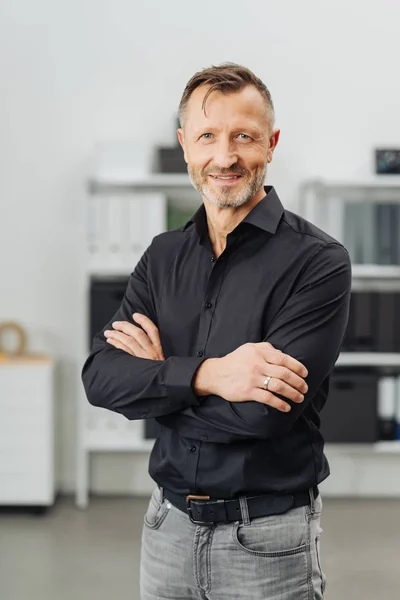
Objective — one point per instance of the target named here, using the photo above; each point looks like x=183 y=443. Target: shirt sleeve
x=309 y=327
x=137 y=387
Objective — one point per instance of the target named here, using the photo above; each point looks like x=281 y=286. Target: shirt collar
x=265 y=215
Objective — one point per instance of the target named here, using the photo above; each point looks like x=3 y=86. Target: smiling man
x=227 y=335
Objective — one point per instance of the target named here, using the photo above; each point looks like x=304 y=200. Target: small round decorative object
x=266 y=382
x=11 y=329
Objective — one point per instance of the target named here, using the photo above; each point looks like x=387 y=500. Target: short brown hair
x=228 y=77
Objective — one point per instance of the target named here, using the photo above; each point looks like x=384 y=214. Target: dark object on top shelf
x=170 y=160
x=387 y=161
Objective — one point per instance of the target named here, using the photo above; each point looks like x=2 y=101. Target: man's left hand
x=143 y=341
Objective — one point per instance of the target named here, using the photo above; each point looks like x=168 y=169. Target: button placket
x=213 y=285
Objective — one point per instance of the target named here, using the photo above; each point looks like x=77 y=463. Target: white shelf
x=392 y=447
x=388 y=447
x=152 y=181
x=368 y=183
x=376 y=271
x=120 y=446
x=368 y=359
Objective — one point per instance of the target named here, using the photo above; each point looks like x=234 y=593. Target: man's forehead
x=247 y=102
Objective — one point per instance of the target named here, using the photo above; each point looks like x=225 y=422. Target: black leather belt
x=202 y=509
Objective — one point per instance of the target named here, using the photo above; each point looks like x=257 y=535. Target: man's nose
x=225 y=155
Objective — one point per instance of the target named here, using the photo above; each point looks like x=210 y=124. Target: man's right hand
x=239 y=376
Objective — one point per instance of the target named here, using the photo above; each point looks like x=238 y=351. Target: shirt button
x=208 y=305
x=200 y=353
x=213 y=259
x=193 y=448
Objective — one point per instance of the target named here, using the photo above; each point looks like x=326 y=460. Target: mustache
x=231 y=171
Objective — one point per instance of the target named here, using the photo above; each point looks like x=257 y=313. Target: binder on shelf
x=386 y=317
x=147 y=218
x=372 y=232
x=387 y=396
x=93 y=225
x=114 y=225
x=121 y=226
x=106 y=295
x=397 y=412
x=397 y=234
x=136 y=225
x=369 y=235
x=374 y=322
x=361 y=328
x=394 y=233
x=386 y=234
x=350 y=414
x=353 y=232
x=98 y=224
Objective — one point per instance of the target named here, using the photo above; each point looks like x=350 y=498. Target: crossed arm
x=200 y=398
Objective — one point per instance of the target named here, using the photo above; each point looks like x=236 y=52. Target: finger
x=132 y=344
x=284 y=389
x=119 y=345
x=265 y=397
x=152 y=331
x=286 y=375
x=277 y=357
x=136 y=333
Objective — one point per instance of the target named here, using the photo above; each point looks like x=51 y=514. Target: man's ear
x=181 y=139
x=273 y=142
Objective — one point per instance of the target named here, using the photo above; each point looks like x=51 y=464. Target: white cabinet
x=26 y=431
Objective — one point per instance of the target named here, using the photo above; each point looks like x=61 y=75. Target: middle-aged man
x=227 y=334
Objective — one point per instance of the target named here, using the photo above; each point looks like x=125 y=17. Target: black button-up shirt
x=281 y=280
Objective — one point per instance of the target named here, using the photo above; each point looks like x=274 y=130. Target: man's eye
x=207 y=136
x=244 y=136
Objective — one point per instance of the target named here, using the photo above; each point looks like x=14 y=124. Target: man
x=227 y=334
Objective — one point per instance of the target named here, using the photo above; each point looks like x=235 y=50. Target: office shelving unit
x=124 y=214
x=363 y=469
x=321 y=203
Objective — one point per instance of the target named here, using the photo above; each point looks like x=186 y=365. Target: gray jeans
x=269 y=558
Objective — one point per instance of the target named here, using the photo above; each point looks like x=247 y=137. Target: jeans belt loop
x=312 y=500
x=244 y=509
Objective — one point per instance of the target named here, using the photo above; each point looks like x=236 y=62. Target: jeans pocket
x=276 y=536
x=157 y=510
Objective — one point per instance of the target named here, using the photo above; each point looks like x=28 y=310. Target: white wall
x=77 y=72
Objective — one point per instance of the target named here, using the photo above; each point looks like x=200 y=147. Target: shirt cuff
x=179 y=377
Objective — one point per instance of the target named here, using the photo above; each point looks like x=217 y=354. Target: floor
x=68 y=554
